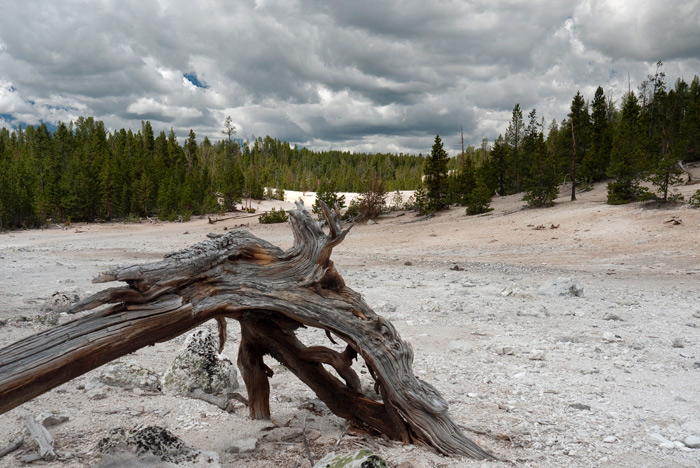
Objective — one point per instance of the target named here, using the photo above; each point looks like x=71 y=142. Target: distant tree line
x=638 y=148
x=81 y=172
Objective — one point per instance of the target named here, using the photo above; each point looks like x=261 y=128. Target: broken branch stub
x=271 y=293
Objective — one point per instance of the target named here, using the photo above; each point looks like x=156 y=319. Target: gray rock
x=611 y=337
x=199 y=366
x=562 y=286
x=129 y=375
x=692 y=427
x=678 y=342
x=580 y=406
x=243 y=445
x=50 y=418
x=612 y=316
x=59 y=302
x=536 y=355
x=431 y=307
x=364 y=458
x=152 y=446
x=540 y=312
x=692 y=442
x=657 y=439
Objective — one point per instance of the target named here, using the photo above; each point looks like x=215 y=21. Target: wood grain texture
x=271 y=293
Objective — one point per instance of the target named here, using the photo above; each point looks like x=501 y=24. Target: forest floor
x=540 y=380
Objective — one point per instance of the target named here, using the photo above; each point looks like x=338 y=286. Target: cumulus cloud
x=363 y=76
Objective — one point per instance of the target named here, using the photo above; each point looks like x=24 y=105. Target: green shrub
x=273 y=216
x=694 y=199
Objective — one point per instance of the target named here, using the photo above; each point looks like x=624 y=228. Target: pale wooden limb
x=42 y=436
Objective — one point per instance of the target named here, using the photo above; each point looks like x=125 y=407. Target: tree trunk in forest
x=271 y=293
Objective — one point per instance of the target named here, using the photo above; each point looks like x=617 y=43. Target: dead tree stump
x=271 y=293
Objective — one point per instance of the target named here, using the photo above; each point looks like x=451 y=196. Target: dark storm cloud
x=365 y=76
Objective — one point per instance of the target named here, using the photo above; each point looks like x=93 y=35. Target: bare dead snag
x=271 y=293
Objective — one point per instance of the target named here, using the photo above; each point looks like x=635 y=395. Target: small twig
x=12 y=447
x=307 y=449
x=337 y=444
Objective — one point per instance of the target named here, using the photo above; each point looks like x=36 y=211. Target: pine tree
x=326 y=193
x=541 y=184
x=499 y=168
x=514 y=139
x=627 y=157
x=436 y=182
x=595 y=162
x=579 y=122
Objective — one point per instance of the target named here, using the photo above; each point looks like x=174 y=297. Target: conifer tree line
x=81 y=172
x=637 y=146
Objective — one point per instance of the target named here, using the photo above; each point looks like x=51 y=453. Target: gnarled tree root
x=271 y=293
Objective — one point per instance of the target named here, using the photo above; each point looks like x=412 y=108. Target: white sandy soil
x=510 y=361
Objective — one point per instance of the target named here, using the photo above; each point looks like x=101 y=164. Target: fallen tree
x=271 y=293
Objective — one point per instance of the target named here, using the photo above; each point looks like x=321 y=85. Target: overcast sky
x=353 y=75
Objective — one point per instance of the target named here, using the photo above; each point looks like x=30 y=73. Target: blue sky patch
x=192 y=78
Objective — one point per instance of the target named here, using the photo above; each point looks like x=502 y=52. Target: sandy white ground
x=510 y=360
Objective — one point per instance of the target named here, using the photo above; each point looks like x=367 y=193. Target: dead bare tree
x=271 y=293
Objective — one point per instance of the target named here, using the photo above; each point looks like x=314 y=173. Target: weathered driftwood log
x=271 y=293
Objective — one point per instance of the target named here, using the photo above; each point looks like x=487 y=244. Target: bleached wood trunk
x=271 y=293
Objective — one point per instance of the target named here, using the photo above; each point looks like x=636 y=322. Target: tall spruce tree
x=579 y=127
x=541 y=181
x=514 y=139
x=595 y=162
x=628 y=155
x=435 y=172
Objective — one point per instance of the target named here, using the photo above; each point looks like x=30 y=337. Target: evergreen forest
x=82 y=172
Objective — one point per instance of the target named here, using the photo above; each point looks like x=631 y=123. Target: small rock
x=696 y=314
x=96 y=395
x=611 y=316
x=408 y=263
x=243 y=445
x=50 y=418
x=129 y=375
x=152 y=446
x=503 y=350
x=457 y=268
x=692 y=442
x=59 y=302
x=580 y=406
x=364 y=458
x=692 y=427
x=678 y=342
x=536 y=355
x=563 y=286
x=540 y=312
x=611 y=337
x=610 y=439
x=658 y=439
